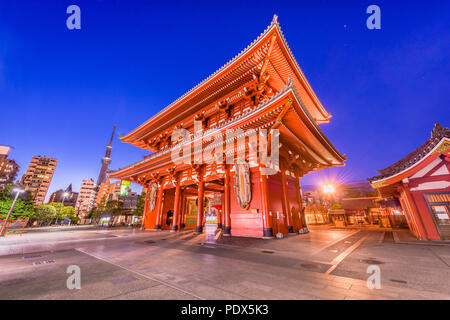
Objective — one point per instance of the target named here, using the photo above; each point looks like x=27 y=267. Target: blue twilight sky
x=62 y=90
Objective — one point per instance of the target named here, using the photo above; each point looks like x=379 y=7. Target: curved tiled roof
x=359 y=203
x=415 y=156
x=205 y=84
x=288 y=87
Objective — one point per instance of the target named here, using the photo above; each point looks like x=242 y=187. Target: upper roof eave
x=273 y=25
x=325 y=139
x=288 y=90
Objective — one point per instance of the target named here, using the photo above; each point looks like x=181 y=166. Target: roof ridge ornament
x=275 y=19
x=435 y=128
x=439 y=131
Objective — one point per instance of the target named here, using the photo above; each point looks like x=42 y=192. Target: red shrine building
x=419 y=186
x=262 y=90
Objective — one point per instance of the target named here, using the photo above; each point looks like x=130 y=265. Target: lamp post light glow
x=5 y=224
x=328 y=188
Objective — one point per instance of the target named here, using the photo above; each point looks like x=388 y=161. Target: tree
x=65 y=211
x=6 y=193
x=113 y=207
x=139 y=211
x=23 y=208
x=58 y=207
x=69 y=212
x=45 y=213
x=317 y=210
x=99 y=210
x=336 y=206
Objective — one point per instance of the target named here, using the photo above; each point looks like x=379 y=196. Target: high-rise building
x=8 y=167
x=106 y=160
x=69 y=200
x=38 y=177
x=86 y=198
x=108 y=191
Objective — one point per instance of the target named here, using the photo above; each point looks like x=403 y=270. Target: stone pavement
x=324 y=264
x=406 y=237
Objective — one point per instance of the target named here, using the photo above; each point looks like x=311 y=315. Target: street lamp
x=18 y=192
x=329 y=190
x=62 y=205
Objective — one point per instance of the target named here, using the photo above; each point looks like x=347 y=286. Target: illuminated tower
x=106 y=160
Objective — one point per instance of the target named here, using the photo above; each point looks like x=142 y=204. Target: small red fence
x=13 y=226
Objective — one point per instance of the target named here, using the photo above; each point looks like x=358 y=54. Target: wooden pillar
x=267 y=220
x=219 y=217
x=423 y=234
x=392 y=222
x=226 y=203
x=300 y=202
x=200 y=201
x=176 y=207
x=409 y=219
x=220 y=213
x=159 y=200
x=183 y=212
x=287 y=206
x=144 y=214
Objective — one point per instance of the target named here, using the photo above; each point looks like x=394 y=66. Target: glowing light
x=328 y=188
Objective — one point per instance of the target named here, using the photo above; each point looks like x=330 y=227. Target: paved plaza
x=126 y=263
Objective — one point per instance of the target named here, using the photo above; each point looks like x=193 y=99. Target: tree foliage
x=23 y=208
x=113 y=207
x=99 y=210
x=336 y=206
x=45 y=212
x=65 y=211
x=315 y=208
x=139 y=211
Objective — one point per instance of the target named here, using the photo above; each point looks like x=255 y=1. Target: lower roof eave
x=385 y=180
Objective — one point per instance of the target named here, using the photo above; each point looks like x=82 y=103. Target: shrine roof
x=437 y=134
x=359 y=203
x=288 y=90
x=238 y=70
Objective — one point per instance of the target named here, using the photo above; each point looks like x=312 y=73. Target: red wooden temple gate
x=260 y=89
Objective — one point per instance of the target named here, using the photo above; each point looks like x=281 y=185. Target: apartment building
x=8 y=167
x=108 y=191
x=86 y=198
x=38 y=177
